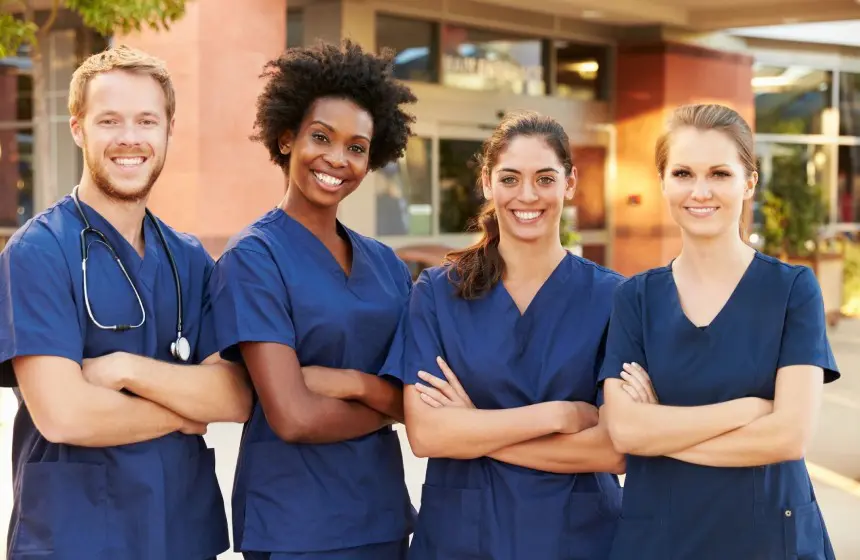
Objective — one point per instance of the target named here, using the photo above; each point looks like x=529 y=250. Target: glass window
x=16 y=177
x=460 y=198
x=295 y=28
x=492 y=60
x=16 y=140
x=790 y=100
x=848 y=185
x=849 y=104
x=414 y=42
x=404 y=204
x=581 y=71
x=799 y=174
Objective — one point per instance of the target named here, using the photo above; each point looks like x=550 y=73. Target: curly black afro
x=300 y=76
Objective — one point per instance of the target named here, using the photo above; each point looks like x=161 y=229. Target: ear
x=749 y=191
x=570 y=189
x=77 y=129
x=170 y=126
x=486 y=186
x=285 y=142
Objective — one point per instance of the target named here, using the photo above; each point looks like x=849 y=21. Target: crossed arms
x=85 y=406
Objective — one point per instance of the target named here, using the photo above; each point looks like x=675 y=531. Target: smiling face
x=705 y=182
x=330 y=153
x=528 y=186
x=123 y=133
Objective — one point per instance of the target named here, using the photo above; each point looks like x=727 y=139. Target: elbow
x=623 y=436
x=426 y=445
x=241 y=409
x=793 y=446
x=293 y=430
x=61 y=429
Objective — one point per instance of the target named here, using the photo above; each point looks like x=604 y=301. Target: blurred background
x=609 y=70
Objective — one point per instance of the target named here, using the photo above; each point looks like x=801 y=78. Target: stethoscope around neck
x=180 y=349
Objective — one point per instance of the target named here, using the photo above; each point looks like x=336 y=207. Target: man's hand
x=109 y=371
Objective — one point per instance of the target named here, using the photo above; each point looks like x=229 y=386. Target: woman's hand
x=637 y=384
x=443 y=392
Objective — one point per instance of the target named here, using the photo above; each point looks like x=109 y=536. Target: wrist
x=127 y=376
x=556 y=416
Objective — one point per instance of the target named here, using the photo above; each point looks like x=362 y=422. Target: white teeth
x=128 y=161
x=328 y=179
x=702 y=211
x=527 y=216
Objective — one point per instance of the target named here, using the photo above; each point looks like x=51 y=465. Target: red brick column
x=216 y=180
x=9 y=158
x=652 y=80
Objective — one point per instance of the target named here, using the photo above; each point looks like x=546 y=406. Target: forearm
x=654 y=430
x=215 y=392
x=106 y=418
x=380 y=395
x=762 y=442
x=590 y=450
x=319 y=419
x=468 y=433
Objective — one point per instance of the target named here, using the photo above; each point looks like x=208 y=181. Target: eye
x=107 y=121
x=722 y=174
x=508 y=180
x=680 y=173
x=150 y=122
x=358 y=148
x=319 y=137
x=546 y=180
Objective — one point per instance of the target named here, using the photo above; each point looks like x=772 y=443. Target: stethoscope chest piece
x=180 y=349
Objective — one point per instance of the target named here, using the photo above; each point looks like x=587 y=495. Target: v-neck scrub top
x=277 y=282
x=677 y=510
x=483 y=508
x=151 y=499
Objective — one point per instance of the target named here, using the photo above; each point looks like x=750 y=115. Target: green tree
x=19 y=26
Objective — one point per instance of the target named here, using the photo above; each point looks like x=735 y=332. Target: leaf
x=113 y=16
x=15 y=32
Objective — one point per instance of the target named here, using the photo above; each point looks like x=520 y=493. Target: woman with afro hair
x=311 y=308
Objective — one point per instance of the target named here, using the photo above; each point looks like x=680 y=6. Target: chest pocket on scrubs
x=449 y=523
x=63 y=511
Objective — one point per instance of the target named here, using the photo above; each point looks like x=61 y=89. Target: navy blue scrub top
x=277 y=282
x=483 y=508
x=153 y=499
x=672 y=509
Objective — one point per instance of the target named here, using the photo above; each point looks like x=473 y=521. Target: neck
x=704 y=256
x=125 y=217
x=524 y=259
x=322 y=222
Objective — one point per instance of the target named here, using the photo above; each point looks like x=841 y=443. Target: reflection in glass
x=460 y=197
x=800 y=175
x=790 y=100
x=581 y=71
x=849 y=104
x=16 y=177
x=404 y=193
x=848 y=185
x=414 y=41
x=492 y=61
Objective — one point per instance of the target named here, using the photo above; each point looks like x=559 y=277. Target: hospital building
x=609 y=70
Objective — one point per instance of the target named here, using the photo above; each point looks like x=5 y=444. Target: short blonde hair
x=119 y=58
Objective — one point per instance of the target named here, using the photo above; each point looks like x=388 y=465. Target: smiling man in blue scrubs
x=114 y=359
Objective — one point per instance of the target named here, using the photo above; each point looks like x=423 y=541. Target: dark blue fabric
x=673 y=509
x=277 y=282
x=154 y=499
x=396 y=550
x=483 y=508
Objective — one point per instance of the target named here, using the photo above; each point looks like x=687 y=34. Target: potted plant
x=570 y=238
x=793 y=216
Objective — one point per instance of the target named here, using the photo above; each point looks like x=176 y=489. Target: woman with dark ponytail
x=520 y=465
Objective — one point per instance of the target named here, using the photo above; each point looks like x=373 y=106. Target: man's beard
x=101 y=178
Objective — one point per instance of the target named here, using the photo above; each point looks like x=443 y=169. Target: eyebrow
x=544 y=170
x=331 y=129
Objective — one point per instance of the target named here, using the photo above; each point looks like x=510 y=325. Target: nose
x=701 y=190
x=335 y=157
x=529 y=192
x=128 y=136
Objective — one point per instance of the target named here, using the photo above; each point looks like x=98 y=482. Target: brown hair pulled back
x=712 y=117
x=476 y=269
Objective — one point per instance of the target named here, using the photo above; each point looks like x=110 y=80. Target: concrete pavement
x=834 y=459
